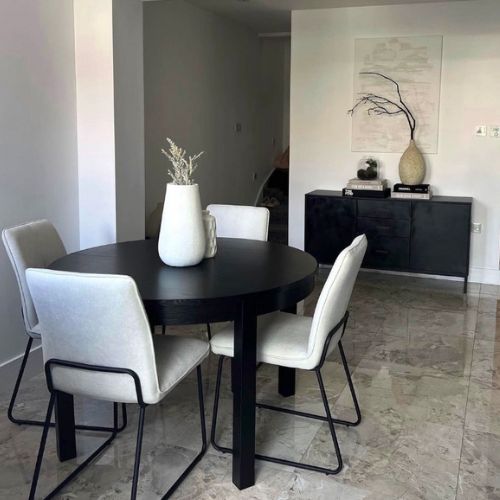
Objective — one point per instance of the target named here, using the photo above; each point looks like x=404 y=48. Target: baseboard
x=10 y=368
x=476 y=275
x=414 y=275
x=485 y=276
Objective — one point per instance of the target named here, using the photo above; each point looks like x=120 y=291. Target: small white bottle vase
x=210 y=234
x=182 y=239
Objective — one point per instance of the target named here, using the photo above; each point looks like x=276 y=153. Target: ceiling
x=271 y=16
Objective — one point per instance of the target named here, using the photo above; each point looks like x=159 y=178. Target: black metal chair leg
x=138 y=449
x=330 y=422
x=216 y=406
x=41 y=423
x=10 y=411
x=198 y=457
x=41 y=449
x=209 y=332
x=351 y=387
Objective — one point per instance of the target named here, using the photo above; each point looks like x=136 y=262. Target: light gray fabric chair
x=240 y=222
x=34 y=244
x=285 y=339
x=97 y=343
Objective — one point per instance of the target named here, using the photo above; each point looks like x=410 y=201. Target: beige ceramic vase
x=412 y=166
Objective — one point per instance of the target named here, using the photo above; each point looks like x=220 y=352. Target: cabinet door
x=440 y=238
x=329 y=226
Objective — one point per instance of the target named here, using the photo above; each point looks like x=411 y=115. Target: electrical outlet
x=238 y=128
x=254 y=176
x=477 y=227
x=481 y=131
x=495 y=131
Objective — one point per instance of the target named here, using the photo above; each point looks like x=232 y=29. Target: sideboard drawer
x=384 y=209
x=391 y=253
x=374 y=227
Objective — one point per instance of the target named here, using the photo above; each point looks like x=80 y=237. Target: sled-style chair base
x=325 y=418
x=114 y=432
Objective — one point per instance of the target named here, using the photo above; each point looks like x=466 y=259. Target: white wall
x=95 y=117
x=322 y=91
x=201 y=77
x=110 y=106
x=38 y=167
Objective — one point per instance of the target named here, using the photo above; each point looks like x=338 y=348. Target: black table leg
x=286 y=376
x=243 y=374
x=65 y=426
x=286 y=381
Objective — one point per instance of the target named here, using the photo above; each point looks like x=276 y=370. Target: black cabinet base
x=412 y=236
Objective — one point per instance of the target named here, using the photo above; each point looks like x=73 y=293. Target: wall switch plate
x=238 y=128
x=477 y=227
x=495 y=131
x=254 y=176
x=481 y=131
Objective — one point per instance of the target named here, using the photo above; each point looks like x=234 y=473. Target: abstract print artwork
x=415 y=63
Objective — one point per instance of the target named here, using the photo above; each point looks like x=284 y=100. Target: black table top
x=241 y=269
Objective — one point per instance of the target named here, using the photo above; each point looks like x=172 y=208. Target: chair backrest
x=97 y=320
x=34 y=244
x=335 y=297
x=236 y=221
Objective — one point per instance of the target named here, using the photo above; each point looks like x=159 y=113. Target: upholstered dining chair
x=237 y=221
x=97 y=343
x=240 y=222
x=34 y=244
x=285 y=339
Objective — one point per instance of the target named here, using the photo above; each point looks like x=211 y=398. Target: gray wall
x=129 y=118
x=38 y=166
x=274 y=97
x=201 y=77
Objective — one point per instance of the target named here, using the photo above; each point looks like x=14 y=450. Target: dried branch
x=398 y=90
x=380 y=104
x=182 y=172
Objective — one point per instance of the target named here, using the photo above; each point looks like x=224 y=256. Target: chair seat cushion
x=282 y=339
x=176 y=357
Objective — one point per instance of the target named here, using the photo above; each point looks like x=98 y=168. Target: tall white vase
x=182 y=234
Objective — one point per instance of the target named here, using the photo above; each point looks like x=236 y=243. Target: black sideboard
x=419 y=236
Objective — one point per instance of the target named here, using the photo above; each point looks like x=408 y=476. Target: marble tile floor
x=426 y=365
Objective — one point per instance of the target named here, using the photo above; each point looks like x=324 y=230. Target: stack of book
x=375 y=188
x=417 y=192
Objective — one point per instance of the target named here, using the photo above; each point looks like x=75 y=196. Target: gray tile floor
x=425 y=362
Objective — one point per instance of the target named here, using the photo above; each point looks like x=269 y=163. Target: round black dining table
x=245 y=279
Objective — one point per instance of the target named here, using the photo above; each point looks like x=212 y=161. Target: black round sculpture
x=370 y=172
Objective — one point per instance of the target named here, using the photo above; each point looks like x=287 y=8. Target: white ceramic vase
x=182 y=234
